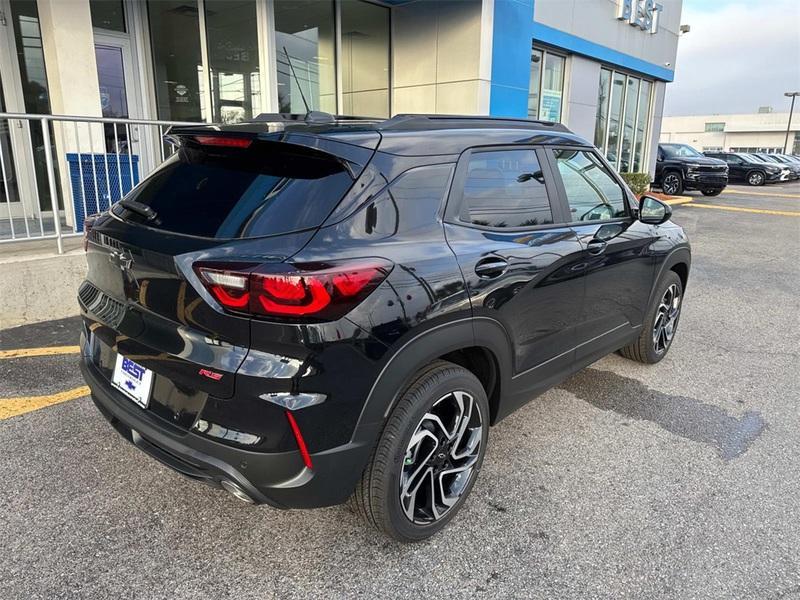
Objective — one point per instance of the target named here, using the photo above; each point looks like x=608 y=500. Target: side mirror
x=653 y=211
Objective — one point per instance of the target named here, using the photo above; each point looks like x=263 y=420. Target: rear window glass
x=269 y=188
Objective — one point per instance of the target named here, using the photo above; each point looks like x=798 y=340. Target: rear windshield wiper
x=140 y=209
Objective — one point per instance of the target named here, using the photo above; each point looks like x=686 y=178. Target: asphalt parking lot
x=680 y=480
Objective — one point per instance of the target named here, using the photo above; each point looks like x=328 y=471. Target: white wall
x=580 y=104
x=596 y=21
x=759 y=130
x=439 y=57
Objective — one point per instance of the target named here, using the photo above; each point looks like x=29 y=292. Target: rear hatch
x=221 y=198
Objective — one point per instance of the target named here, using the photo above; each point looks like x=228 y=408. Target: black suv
x=679 y=168
x=750 y=169
x=306 y=312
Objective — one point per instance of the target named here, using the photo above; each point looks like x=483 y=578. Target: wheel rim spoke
x=441 y=457
x=666 y=319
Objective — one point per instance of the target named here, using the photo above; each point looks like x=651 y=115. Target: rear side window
x=592 y=192
x=266 y=189
x=505 y=189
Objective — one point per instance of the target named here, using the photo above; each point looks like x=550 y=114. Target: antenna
x=297 y=81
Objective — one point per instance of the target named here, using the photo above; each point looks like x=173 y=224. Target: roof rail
x=433 y=121
x=313 y=117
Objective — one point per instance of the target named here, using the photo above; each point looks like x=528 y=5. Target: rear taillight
x=317 y=291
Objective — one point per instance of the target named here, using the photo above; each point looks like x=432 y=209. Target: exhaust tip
x=237 y=491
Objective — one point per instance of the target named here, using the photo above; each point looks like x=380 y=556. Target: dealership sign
x=640 y=13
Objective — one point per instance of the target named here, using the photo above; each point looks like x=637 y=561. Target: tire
x=648 y=348
x=756 y=178
x=672 y=184
x=714 y=192
x=398 y=460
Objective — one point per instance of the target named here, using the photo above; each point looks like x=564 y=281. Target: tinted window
x=505 y=189
x=679 y=151
x=591 y=191
x=266 y=189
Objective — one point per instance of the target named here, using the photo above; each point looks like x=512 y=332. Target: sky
x=739 y=55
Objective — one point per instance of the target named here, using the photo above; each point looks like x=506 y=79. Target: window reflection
x=546 y=86
x=365 y=59
x=304 y=29
x=177 y=61
x=623 y=115
x=233 y=57
x=629 y=122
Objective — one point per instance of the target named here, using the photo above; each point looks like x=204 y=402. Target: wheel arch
x=679 y=261
x=479 y=344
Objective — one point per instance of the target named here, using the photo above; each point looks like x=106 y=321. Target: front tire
x=755 y=178
x=672 y=184
x=428 y=456
x=661 y=323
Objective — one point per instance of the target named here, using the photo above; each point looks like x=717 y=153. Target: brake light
x=223 y=140
x=317 y=291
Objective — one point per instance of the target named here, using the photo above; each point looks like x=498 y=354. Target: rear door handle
x=491 y=266
x=596 y=246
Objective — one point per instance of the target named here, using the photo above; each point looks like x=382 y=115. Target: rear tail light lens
x=224 y=141
x=315 y=291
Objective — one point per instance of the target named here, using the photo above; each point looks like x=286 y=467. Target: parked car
x=782 y=161
x=748 y=169
x=306 y=312
x=679 y=168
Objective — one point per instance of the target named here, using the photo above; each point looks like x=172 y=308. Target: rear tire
x=661 y=323
x=672 y=184
x=413 y=486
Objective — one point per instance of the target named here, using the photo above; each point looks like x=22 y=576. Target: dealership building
x=88 y=88
x=764 y=131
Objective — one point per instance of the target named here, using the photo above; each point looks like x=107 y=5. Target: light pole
x=791 y=95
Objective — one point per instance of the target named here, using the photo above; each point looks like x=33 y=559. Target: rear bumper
x=278 y=479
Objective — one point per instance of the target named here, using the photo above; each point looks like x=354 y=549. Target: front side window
x=592 y=193
x=505 y=189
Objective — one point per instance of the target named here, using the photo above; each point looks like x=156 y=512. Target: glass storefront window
x=629 y=123
x=233 y=59
x=305 y=29
x=623 y=116
x=365 y=59
x=615 y=118
x=536 y=79
x=642 y=120
x=177 y=60
x=546 y=85
x=108 y=14
x=552 y=87
x=601 y=126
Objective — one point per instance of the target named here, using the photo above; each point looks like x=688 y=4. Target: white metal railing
x=57 y=169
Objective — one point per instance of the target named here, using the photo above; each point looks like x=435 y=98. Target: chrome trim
x=294 y=401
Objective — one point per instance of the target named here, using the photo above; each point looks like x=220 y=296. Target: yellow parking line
x=730 y=191
x=761 y=211
x=12 y=407
x=679 y=200
x=27 y=352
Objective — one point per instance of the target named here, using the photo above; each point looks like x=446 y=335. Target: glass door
x=24 y=193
